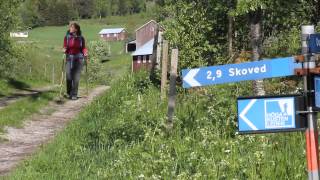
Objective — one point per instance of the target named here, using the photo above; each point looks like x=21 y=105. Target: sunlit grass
x=14 y=114
x=123 y=136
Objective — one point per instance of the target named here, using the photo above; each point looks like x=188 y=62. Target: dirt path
x=38 y=130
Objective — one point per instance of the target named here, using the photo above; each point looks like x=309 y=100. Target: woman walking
x=76 y=52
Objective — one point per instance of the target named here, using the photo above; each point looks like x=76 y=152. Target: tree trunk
x=255 y=19
x=230 y=35
x=315 y=18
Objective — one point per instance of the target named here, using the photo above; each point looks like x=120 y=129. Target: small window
x=108 y=35
x=115 y=35
x=149 y=58
x=144 y=59
x=139 y=60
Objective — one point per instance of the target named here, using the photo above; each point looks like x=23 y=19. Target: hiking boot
x=74 y=98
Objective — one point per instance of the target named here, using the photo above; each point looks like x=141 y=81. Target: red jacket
x=74 y=44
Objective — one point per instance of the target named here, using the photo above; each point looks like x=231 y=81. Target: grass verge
x=122 y=135
x=14 y=114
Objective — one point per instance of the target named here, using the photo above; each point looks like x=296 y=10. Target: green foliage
x=8 y=21
x=281 y=25
x=282 y=44
x=247 y=6
x=123 y=7
x=57 y=13
x=122 y=136
x=36 y=13
x=29 y=13
x=98 y=50
x=197 y=30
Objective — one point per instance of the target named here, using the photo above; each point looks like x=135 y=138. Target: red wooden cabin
x=143 y=46
x=114 y=34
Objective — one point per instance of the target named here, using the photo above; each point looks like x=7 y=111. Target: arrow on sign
x=269 y=114
x=189 y=78
x=244 y=112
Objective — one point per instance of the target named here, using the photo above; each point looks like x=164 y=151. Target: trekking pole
x=87 y=89
x=62 y=75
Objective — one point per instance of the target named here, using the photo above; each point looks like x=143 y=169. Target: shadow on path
x=23 y=90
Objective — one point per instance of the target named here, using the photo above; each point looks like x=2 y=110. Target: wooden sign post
x=164 y=69
x=172 y=89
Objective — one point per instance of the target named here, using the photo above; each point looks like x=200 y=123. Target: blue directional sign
x=205 y=76
x=317 y=90
x=314 y=43
x=270 y=114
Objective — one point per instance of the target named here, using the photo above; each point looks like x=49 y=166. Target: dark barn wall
x=142 y=64
x=146 y=33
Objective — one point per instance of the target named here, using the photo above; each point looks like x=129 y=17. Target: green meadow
x=41 y=64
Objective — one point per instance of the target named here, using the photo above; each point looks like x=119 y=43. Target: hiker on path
x=76 y=54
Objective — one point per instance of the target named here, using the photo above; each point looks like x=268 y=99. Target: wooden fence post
x=172 y=89
x=45 y=71
x=164 y=69
x=53 y=74
x=158 y=58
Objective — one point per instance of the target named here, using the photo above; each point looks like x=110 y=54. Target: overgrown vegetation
x=35 y=13
x=8 y=18
x=204 y=31
x=122 y=136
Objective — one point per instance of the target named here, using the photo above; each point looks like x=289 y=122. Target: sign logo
x=279 y=113
x=317 y=90
x=318 y=42
x=314 y=43
x=269 y=114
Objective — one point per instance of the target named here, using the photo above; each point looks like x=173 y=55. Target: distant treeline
x=59 y=12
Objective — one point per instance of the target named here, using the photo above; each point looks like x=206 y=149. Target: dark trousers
x=73 y=72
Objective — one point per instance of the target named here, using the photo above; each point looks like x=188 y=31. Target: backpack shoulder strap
x=81 y=42
x=68 y=37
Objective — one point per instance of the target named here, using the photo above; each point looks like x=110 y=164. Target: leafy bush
x=284 y=43
x=98 y=50
x=8 y=21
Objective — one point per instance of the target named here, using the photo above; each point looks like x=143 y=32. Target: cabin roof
x=111 y=31
x=146 y=49
x=149 y=23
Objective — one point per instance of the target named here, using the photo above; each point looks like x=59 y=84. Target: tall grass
x=122 y=135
